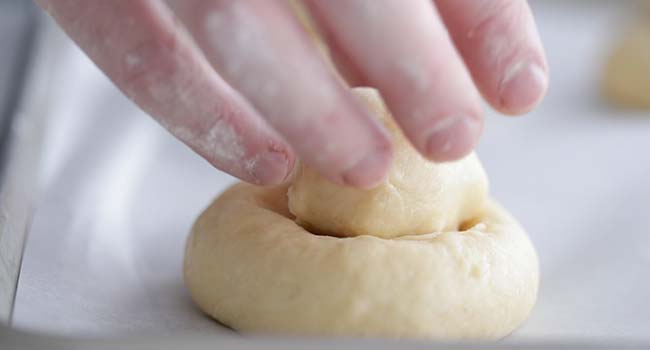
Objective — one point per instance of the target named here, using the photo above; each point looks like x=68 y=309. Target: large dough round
x=417 y=197
x=250 y=266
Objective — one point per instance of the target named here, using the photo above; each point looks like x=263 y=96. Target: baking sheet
x=119 y=196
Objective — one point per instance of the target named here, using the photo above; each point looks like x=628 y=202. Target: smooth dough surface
x=424 y=255
x=250 y=266
x=418 y=196
x=626 y=79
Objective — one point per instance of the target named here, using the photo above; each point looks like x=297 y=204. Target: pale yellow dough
x=466 y=271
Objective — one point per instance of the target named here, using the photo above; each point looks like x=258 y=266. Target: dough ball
x=418 y=196
x=626 y=78
x=250 y=266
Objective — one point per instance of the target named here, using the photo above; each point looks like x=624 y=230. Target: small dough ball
x=418 y=196
x=626 y=80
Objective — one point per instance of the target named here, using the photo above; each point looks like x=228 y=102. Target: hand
x=242 y=84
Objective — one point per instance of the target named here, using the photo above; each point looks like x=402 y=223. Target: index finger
x=260 y=48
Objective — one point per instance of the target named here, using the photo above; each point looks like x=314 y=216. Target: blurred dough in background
x=626 y=77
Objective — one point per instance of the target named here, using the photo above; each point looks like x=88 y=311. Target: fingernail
x=522 y=86
x=452 y=138
x=269 y=168
x=370 y=171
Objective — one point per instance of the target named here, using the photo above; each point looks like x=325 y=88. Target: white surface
x=104 y=254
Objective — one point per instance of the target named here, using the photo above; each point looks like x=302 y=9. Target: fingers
x=140 y=47
x=502 y=49
x=333 y=55
x=402 y=48
x=260 y=49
